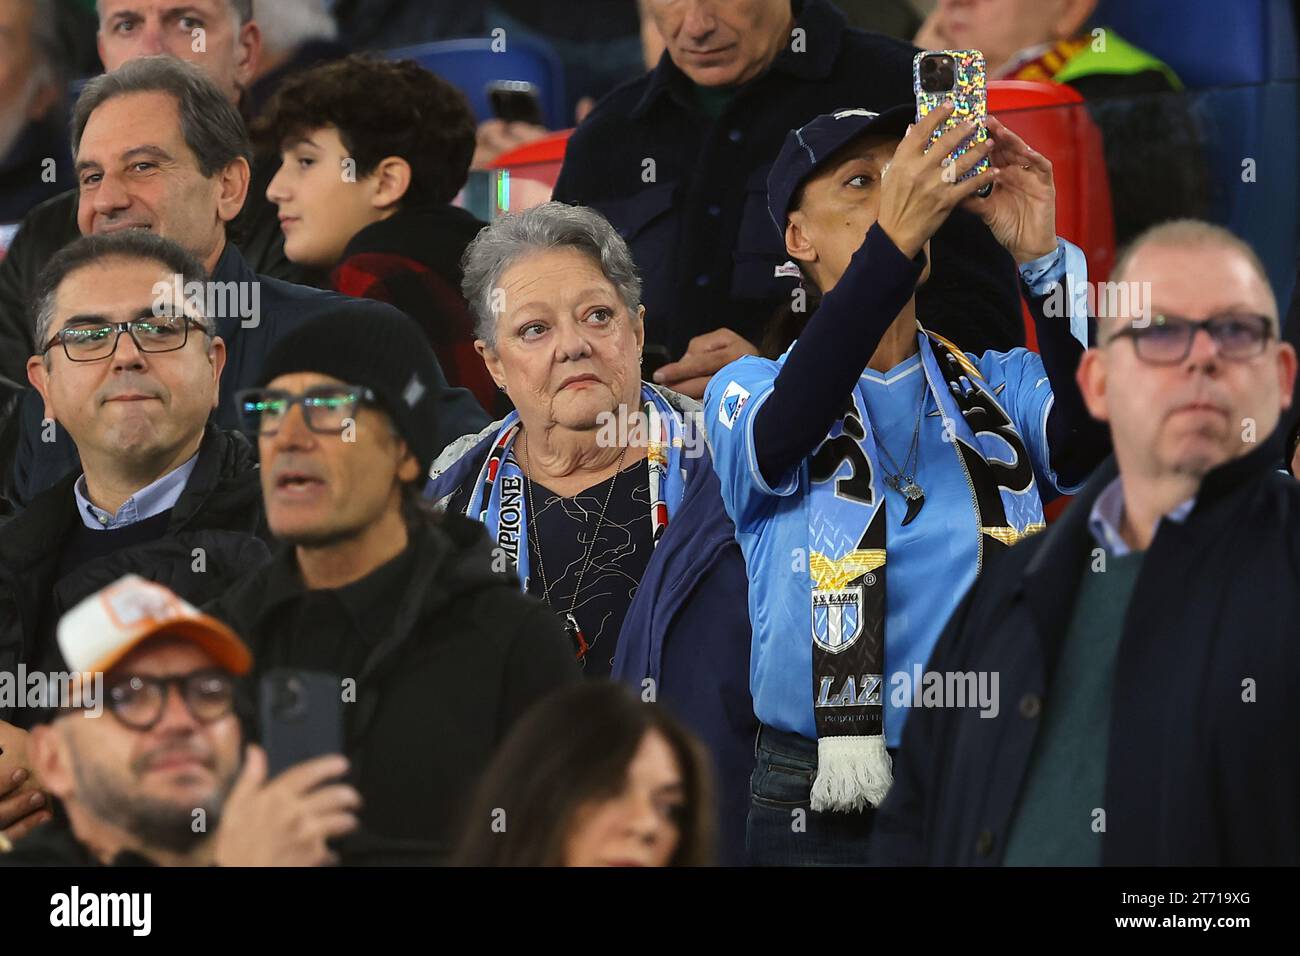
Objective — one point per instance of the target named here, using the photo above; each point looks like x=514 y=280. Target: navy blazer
x=689 y=194
x=1203 y=758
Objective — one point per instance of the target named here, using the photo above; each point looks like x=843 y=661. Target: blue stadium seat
x=1211 y=43
x=1239 y=62
x=472 y=64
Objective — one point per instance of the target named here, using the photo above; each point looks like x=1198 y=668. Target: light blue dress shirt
x=1107 y=517
x=149 y=501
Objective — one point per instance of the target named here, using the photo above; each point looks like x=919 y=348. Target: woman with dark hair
x=624 y=785
x=875 y=467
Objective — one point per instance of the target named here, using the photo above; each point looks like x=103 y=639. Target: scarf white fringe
x=851 y=772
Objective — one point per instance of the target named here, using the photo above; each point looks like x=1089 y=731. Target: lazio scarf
x=847 y=559
x=499 y=503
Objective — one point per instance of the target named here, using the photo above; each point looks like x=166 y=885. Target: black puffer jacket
x=219 y=511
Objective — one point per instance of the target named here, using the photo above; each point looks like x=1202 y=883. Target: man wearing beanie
x=435 y=649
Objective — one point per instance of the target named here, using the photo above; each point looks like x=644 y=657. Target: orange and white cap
x=96 y=634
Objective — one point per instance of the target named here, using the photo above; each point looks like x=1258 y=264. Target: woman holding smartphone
x=874 y=467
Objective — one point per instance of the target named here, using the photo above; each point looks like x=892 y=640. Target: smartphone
x=515 y=101
x=957 y=77
x=301 y=717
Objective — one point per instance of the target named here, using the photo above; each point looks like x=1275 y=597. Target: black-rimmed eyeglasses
x=139 y=700
x=90 y=343
x=1167 y=339
x=326 y=408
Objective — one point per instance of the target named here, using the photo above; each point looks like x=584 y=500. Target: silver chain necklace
x=904 y=478
x=571 y=626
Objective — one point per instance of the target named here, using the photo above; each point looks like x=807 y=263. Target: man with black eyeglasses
x=1146 y=642
x=159 y=148
x=133 y=375
x=144 y=757
x=420 y=619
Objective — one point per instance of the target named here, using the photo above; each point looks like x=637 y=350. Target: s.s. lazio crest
x=836 y=617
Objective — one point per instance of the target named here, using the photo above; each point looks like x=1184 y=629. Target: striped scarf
x=847 y=559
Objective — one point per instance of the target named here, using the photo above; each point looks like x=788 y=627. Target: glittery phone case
x=969 y=95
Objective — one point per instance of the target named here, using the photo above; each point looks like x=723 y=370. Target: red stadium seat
x=1050 y=117
x=1053 y=120
x=538 y=156
x=534 y=167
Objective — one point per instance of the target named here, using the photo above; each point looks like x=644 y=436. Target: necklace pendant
x=579 y=639
x=911 y=490
x=915 y=501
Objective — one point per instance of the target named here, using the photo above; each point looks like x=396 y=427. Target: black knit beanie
x=384 y=351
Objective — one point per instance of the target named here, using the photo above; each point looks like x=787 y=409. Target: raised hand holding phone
x=1021 y=213
x=290 y=820
x=921 y=185
x=954 y=78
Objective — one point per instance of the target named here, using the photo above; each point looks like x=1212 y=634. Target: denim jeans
x=782 y=830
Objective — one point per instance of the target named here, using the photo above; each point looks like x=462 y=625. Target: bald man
x=1145 y=643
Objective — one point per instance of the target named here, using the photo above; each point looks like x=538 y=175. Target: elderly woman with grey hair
x=599 y=489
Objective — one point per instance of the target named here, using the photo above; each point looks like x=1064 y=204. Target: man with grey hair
x=1145 y=643
x=678 y=160
x=33 y=71
x=158 y=148
x=220 y=38
x=132 y=370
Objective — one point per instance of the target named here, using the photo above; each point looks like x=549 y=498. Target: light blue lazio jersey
x=931 y=562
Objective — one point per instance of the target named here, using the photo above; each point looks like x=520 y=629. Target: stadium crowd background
x=333 y=163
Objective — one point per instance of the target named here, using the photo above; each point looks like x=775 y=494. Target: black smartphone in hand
x=301 y=715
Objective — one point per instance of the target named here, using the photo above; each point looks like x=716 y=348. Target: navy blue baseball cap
x=807 y=148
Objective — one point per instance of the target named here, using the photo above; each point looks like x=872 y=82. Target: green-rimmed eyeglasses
x=155 y=333
x=326 y=408
x=1167 y=339
x=139 y=700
